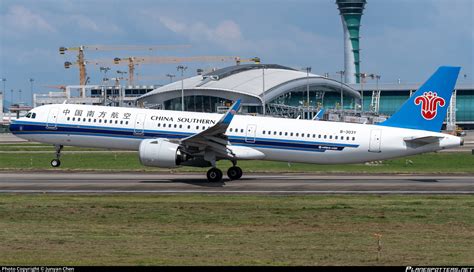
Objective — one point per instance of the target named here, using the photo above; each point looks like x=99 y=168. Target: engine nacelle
x=160 y=153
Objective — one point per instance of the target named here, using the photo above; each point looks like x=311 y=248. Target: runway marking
x=229 y=192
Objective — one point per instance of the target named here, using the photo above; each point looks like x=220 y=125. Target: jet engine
x=160 y=153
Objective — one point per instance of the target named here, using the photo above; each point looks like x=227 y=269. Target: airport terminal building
x=279 y=88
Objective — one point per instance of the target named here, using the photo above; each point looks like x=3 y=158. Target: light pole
x=20 y=96
x=121 y=88
x=104 y=80
x=377 y=92
x=182 y=68
x=362 y=77
x=308 y=70
x=263 y=89
x=4 y=90
x=342 y=95
x=171 y=77
x=11 y=97
x=31 y=89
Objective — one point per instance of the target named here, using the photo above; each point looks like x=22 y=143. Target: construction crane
x=81 y=62
x=256 y=60
x=133 y=61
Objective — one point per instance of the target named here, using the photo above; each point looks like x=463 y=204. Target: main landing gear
x=56 y=162
x=215 y=175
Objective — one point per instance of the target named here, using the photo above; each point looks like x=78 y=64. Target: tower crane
x=238 y=60
x=81 y=62
x=133 y=61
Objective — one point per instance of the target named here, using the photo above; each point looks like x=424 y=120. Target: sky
x=400 y=39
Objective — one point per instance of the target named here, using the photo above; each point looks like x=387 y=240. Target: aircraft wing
x=214 y=141
x=422 y=140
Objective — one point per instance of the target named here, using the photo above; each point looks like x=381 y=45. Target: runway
x=165 y=183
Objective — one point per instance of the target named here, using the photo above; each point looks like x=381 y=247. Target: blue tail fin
x=426 y=108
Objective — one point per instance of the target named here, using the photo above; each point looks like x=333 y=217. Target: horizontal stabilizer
x=423 y=140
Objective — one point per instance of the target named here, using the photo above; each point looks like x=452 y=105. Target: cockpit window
x=31 y=115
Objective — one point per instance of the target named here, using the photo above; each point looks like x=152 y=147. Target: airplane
x=170 y=139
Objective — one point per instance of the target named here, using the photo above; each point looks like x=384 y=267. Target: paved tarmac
x=165 y=183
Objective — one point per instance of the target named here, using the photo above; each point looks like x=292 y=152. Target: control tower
x=351 y=13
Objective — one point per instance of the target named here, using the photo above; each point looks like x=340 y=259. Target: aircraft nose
x=13 y=127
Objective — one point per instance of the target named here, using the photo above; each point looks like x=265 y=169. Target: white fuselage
x=278 y=139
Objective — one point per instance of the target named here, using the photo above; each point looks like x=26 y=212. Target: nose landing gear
x=56 y=162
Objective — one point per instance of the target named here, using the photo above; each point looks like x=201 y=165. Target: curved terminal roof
x=248 y=80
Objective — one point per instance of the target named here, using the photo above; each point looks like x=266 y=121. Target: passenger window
x=314 y=135
x=73 y=118
x=189 y=126
x=347 y=138
x=203 y=127
x=169 y=125
x=175 y=125
x=281 y=133
x=302 y=134
x=263 y=132
x=330 y=137
x=159 y=124
x=336 y=137
x=319 y=136
x=325 y=136
x=353 y=138
x=242 y=130
x=286 y=133
x=121 y=122
x=95 y=120
x=100 y=120
x=291 y=134
x=126 y=123
x=89 y=120
x=197 y=127
x=69 y=118
x=274 y=133
x=180 y=126
x=116 y=121
x=297 y=134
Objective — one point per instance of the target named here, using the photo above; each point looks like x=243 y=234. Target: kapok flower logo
x=429 y=104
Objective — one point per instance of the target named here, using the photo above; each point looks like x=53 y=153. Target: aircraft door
x=250 y=133
x=52 y=119
x=139 y=124
x=375 y=139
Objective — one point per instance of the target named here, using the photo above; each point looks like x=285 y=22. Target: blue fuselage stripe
x=40 y=128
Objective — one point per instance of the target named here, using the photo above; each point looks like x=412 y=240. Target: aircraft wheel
x=234 y=173
x=55 y=163
x=214 y=175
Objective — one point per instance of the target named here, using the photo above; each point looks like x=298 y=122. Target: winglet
x=319 y=115
x=231 y=112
